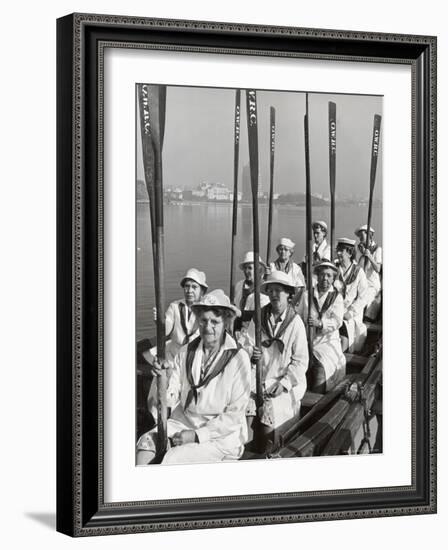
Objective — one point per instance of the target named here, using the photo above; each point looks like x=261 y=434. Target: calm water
x=200 y=236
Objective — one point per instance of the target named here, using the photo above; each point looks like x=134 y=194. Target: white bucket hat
x=284 y=241
x=216 y=298
x=320 y=223
x=364 y=228
x=347 y=242
x=196 y=276
x=249 y=259
x=279 y=278
x=325 y=263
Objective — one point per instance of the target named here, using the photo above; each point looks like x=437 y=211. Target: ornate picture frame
x=81 y=43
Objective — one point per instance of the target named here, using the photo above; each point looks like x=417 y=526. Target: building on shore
x=175 y=194
x=214 y=192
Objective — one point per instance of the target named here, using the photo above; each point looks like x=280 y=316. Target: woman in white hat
x=284 y=262
x=244 y=290
x=181 y=325
x=321 y=248
x=180 y=321
x=352 y=284
x=326 y=317
x=208 y=392
x=371 y=260
x=283 y=355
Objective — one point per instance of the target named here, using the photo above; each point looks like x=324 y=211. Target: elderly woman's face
x=278 y=295
x=192 y=291
x=284 y=253
x=248 y=270
x=211 y=327
x=325 y=278
x=318 y=234
x=344 y=254
x=362 y=235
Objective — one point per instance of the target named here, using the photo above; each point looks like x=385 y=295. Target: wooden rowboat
x=346 y=420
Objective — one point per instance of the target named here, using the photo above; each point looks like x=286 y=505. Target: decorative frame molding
x=81 y=41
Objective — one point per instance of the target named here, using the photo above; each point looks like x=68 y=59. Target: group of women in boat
x=211 y=356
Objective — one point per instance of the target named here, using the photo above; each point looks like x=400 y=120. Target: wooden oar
x=152 y=102
x=236 y=155
x=309 y=233
x=252 y=130
x=271 y=186
x=332 y=168
x=373 y=163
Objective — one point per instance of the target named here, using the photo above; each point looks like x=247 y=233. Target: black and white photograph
x=221 y=228
x=258 y=292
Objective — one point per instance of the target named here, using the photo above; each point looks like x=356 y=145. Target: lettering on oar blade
x=376 y=141
x=145 y=113
x=237 y=124
x=252 y=103
x=332 y=137
x=272 y=137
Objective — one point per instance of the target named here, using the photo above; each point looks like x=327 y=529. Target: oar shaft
x=252 y=129
x=309 y=234
x=271 y=185
x=332 y=170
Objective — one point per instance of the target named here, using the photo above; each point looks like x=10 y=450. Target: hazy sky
x=199 y=140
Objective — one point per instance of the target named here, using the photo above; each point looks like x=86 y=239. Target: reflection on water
x=199 y=236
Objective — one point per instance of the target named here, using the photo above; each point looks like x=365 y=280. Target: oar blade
x=375 y=149
x=252 y=129
x=376 y=135
x=332 y=144
x=271 y=184
x=147 y=147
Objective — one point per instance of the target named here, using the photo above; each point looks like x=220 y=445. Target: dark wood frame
x=81 y=510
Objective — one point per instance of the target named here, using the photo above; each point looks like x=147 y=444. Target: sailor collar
x=229 y=343
x=324 y=295
x=281 y=318
x=346 y=272
x=320 y=246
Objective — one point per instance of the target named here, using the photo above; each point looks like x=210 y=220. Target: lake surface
x=200 y=236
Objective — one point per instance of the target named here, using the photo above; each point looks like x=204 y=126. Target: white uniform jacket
x=249 y=304
x=373 y=278
x=329 y=308
x=352 y=284
x=293 y=270
x=214 y=409
x=285 y=362
x=321 y=252
x=181 y=327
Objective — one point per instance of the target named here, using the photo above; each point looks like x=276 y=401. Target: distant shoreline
x=261 y=204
